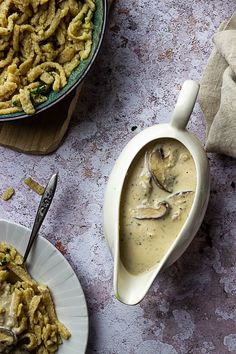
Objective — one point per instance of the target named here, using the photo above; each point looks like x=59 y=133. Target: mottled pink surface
x=150 y=48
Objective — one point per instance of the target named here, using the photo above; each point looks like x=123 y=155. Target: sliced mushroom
x=160 y=211
x=179 y=201
x=178 y=196
x=144 y=178
x=159 y=166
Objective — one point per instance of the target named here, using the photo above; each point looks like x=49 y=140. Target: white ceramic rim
x=47 y=265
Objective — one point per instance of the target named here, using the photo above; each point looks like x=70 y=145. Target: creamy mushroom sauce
x=6 y=311
x=165 y=187
x=7 y=316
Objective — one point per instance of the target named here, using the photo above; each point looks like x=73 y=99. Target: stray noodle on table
x=41 y=43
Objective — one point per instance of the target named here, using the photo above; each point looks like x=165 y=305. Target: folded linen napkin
x=217 y=95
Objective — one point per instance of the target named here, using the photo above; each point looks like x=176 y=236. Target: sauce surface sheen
x=144 y=239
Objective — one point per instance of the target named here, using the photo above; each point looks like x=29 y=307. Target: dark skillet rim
x=77 y=83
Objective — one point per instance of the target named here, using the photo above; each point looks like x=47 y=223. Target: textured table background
x=150 y=48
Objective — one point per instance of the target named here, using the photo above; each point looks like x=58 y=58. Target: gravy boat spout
x=163 y=223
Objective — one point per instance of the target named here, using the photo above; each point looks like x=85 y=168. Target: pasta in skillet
x=41 y=43
x=27 y=308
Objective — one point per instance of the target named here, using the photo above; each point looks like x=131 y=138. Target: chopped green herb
x=3 y=261
x=16 y=102
x=39 y=99
x=40 y=90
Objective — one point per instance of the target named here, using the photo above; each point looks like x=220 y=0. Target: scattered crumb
x=134 y=128
x=8 y=193
x=35 y=186
x=61 y=247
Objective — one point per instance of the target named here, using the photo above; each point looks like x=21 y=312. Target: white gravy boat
x=128 y=288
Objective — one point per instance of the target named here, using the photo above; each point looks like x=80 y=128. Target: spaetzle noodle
x=27 y=307
x=41 y=41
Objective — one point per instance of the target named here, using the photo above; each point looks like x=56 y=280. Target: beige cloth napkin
x=217 y=96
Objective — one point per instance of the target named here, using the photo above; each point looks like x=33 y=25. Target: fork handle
x=42 y=211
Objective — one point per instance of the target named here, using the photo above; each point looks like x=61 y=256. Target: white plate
x=48 y=266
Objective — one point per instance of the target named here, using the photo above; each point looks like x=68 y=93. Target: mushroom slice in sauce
x=159 y=165
x=144 y=178
x=179 y=202
x=179 y=195
x=152 y=213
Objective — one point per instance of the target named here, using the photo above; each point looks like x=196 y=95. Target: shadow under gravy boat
x=129 y=288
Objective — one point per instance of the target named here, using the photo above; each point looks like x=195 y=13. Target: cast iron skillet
x=65 y=95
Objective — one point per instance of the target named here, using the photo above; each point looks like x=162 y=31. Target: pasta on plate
x=27 y=307
x=41 y=43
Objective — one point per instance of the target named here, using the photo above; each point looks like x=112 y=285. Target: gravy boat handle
x=185 y=104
